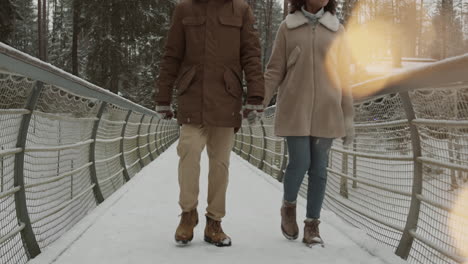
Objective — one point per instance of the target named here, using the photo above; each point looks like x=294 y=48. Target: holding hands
x=253 y=113
x=164 y=111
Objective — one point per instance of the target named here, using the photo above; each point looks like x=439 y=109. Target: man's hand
x=253 y=113
x=164 y=112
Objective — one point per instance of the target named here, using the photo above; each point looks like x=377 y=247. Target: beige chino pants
x=219 y=142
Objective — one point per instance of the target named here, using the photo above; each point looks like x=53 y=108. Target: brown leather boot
x=288 y=221
x=312 y=233
x=184 y=232
x=214 y=234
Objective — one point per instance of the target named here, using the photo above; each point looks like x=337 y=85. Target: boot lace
x=216 y=227
x=313 y=228
x=185 y=218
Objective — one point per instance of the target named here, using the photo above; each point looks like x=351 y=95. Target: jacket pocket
x=232 y=21
x=233 y=83
x=293 y=56
x=185 y=80
x=194 y=21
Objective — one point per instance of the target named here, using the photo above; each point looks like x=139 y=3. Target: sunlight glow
x=375 y=36
x=458 y=222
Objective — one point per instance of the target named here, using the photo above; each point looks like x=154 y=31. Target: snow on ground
x=137 y=224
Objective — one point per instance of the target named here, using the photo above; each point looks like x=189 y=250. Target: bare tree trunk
x=396 y=43
x=348 y=6
x=44 y=30
x=420 y=28
x=39 y=30
x=76 y=33
x=413 y=30
x=285 y=8
x=268 y=13
x=463 y=16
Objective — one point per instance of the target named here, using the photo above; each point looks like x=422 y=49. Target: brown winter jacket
x=210 y=43
x=310 y=68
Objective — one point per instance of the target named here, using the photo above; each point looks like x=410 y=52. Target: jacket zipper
x=205 y=63
x=314 y=26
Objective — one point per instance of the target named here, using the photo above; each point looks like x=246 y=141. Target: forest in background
x=117 y=44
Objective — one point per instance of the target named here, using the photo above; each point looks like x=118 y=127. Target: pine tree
x=345 y=10
x=8 y=17
x=24 y=35
x=449 y=31
x=126 y=40
x=60 y=41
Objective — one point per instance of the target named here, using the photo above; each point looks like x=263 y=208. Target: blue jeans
x=307 y=154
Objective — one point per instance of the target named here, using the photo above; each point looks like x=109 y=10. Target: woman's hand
x=253 y=113
x=350 y=133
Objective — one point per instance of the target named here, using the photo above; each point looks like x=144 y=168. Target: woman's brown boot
x=312 y=233
x=288 y=221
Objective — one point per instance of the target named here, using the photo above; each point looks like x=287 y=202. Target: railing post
x=344 y=170
x=241 y=131
x=284 y=161
x=262 y=159
x=406 y=242
x=249 y=155
x=163 y=137
x=27 y=234
x=92 y=156
x=142 y=164
x=354 y=164
x=166 y=136
x=2 y=173
x=236 y=137
x=156 y=137
x=122 y=147
x=149 y=139
x=451 y=151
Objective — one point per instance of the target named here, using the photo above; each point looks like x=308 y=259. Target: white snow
x=137 y=224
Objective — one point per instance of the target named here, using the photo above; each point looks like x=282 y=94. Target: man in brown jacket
x=210 y=43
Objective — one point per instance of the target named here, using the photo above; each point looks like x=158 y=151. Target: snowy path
x=136 y=225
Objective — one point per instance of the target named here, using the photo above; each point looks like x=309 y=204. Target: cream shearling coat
x=309 y=67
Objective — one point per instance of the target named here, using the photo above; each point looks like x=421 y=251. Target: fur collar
x=298 y=19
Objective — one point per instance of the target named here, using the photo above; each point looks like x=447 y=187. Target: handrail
x=434 y=75
x=14 y=61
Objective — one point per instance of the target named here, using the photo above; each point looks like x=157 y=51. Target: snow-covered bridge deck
x=137 y=224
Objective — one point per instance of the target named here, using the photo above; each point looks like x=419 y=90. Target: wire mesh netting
x=76 y=148
x=373 y=177
x=131 y=148
x=442 y=122
x=370 y=182
x=152 y=138
x=109 y=169
x=261 y=147
x=143 y=140
x=56 y=168
x=14 y=93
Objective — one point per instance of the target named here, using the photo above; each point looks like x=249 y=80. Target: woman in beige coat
x=309 y=68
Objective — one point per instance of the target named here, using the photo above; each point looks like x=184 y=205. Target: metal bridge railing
x=407 y=167
x=65 y=146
